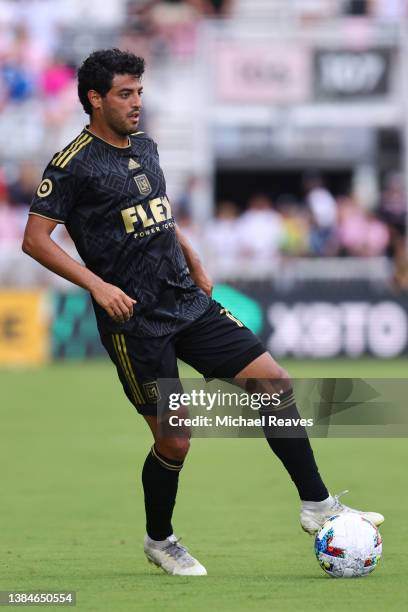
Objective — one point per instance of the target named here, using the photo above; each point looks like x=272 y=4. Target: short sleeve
x=56 y=194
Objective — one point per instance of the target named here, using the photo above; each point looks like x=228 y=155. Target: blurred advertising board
x=24 y=330
x=252 y=71
x=320 y=319
x=343 y=73
x=314 y=319
x=74 y=334
x=281 y=72
x=311 y=319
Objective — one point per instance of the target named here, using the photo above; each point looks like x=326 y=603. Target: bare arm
x=197 y=271
x=38 y=244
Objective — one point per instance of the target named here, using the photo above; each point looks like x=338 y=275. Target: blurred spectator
x=10 y=220
x=386 y=10
x=27 y=50
x=401 y=265
x=260 y=230
x=322 y=206
x=42 y=18
x=173 y=24
x=55 y=77
x=311 y=11
x=360 y=234
x=3 y=186
x=351 y=226
x=21 y=59
x=136 y=37
x=393 y=203
x=376 y=237
x=17 y=77
x=389 y=10
x=58 y=88
x=357 y=7
x=295 y=226
x=191 y=231
x=12 y=223
x=23 y=188
x=185 y=201
x=218 y=8
x=221 y=237
x=207 y=7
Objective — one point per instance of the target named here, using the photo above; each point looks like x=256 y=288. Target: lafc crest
x=143 y=184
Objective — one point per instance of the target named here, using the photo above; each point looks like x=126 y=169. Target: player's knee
x=173 y=448
x=276 y=372
x=283 y=377
x=272 y=376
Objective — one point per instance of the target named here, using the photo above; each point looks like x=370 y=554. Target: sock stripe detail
x=163 y=463
x=286 y=403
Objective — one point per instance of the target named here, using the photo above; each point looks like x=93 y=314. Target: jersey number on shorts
x=231 y=316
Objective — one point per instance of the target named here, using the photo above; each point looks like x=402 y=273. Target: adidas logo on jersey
x=133 y=164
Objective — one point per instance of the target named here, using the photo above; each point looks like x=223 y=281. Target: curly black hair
x=98 y=70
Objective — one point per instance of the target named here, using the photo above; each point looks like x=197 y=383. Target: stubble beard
x=118 y=125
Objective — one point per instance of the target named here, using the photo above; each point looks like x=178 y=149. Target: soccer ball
x=348 y=546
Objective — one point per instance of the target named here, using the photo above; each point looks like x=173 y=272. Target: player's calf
x=290 y=445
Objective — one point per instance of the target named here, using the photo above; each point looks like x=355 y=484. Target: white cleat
x=314 y=514
x=172 y=558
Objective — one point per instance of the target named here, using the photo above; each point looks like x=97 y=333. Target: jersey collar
x=86 y=128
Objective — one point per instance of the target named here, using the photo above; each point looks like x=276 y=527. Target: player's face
x=122 y=104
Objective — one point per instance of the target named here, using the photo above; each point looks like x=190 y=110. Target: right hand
x=114 y=301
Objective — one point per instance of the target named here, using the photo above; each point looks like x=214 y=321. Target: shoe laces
x=338 y=506
x=178 y=553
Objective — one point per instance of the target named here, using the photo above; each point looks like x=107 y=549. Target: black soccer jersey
x=114 y=205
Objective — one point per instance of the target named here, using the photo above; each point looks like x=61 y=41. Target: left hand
x=202 y=280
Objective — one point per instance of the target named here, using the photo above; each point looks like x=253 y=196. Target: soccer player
x=151 y=294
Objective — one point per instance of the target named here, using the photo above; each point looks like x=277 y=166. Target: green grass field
x=71 y=511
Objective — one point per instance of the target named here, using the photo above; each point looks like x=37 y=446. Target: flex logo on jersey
x=143 y=184
x=158 y=210
x=44 y=188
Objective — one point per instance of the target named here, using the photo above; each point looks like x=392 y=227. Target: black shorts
x=217 y=345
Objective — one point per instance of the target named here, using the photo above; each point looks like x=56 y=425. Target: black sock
x=160 y=481
x=295 y=452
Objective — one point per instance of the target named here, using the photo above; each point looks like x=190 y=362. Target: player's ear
x=95 y=99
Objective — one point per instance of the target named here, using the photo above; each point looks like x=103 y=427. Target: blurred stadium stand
x=281 y=127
